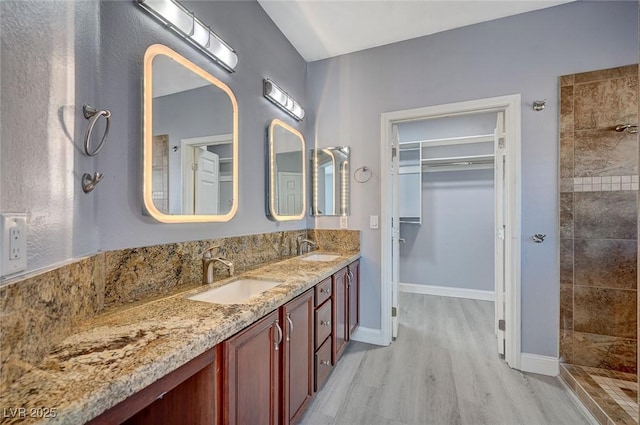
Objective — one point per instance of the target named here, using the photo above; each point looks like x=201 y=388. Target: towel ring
x=362 y=174
x=92 y=114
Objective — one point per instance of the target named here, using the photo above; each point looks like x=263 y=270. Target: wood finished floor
x=442 y=370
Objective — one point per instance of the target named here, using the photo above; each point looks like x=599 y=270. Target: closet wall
x=453 y=247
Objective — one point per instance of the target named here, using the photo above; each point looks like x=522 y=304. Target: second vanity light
x=280 y=98
x=192 y=29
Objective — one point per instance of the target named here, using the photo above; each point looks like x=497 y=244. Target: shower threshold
x=610 y=396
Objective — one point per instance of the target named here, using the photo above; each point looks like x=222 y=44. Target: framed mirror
x=190 y=137
x=330 y=181
x=286 y=188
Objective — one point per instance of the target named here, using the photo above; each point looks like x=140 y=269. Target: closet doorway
x=480 y=137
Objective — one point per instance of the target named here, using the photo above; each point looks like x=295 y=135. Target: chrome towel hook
x=92 y=114
x=89 y=183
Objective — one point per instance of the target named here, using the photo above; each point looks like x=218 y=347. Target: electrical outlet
x=13 y=252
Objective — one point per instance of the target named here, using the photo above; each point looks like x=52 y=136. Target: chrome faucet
x=302 y=241
x=208 y=260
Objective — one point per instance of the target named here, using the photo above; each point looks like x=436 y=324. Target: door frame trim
x=511 y=105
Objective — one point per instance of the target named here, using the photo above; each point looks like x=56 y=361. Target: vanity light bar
x=280 y=98
x=188 y=26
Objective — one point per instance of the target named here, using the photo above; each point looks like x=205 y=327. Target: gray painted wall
x=126 y=32
x=48 y=67
x=521 y=54
x=454 y=245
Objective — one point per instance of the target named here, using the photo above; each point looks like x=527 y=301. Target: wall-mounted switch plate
x=344 y=222
x=373 y=222
x=13 y=251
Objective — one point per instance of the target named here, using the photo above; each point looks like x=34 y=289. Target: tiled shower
x=598 y=240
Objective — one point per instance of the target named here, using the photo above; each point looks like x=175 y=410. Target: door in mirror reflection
x=190 y=140
x=330 y=181
x=286 y=189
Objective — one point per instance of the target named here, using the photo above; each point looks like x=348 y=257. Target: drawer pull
x=325 y=322
x=279 y=340
x=325 y=362
x=325 y=291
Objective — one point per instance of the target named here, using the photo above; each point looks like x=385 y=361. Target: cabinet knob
x=325 y=322
x=325 y=362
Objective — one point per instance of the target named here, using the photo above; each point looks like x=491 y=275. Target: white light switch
x=13 y=252
x=344 y=222
x=373 y=221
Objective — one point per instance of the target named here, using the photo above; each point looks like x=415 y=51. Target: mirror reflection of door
x=289 y=193
x=206 y=175
x=206 y=182
x=160 y=170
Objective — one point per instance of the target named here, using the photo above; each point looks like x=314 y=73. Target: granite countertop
x=120 y=352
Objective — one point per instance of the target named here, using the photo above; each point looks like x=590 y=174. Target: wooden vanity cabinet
x=268 y=367
x=340 y=307
x=186 y=395
x=346 y=307
x=251 y=383
x=353 y=312
x=297 y=317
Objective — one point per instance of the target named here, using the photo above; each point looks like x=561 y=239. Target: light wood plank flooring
x=442 y=370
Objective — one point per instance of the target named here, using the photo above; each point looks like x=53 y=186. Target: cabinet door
x=340 y=306
x=251 y=378
x=354 y=297
x=297 y=361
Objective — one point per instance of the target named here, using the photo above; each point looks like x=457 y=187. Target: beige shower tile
x=567 y=109
x=607 y=352
x=566 y=215
x=605 y=311
x=567 y=147
x=605 y=152
x=605 y=104
x=567 y=80
x=608 y=263
x=605 y=74
x=605 y=215
x=566 y=262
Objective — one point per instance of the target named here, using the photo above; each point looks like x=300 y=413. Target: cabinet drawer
x=323 y=363
x=323 y=291
x=323 y=323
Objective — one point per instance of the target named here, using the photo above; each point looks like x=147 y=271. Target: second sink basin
x=320 y=257
x=236 y=292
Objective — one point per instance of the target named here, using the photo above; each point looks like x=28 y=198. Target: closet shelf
x=458 y=163
x=462 y=140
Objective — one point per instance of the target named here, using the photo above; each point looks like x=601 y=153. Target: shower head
x=629 y=128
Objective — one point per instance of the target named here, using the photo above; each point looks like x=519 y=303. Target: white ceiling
x=320 y=29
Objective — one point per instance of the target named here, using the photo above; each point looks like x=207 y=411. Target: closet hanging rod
x=479 y=138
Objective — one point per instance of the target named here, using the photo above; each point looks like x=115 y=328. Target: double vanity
x=252 y=348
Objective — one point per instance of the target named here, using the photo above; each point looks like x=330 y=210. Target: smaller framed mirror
x=286 y=188
x=330 y=181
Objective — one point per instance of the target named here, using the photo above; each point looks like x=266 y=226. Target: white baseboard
x=542 y=365
x=445 y=291
x=369 y=336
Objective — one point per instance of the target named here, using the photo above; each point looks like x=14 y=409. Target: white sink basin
x=320 y=257
x=236 y=292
